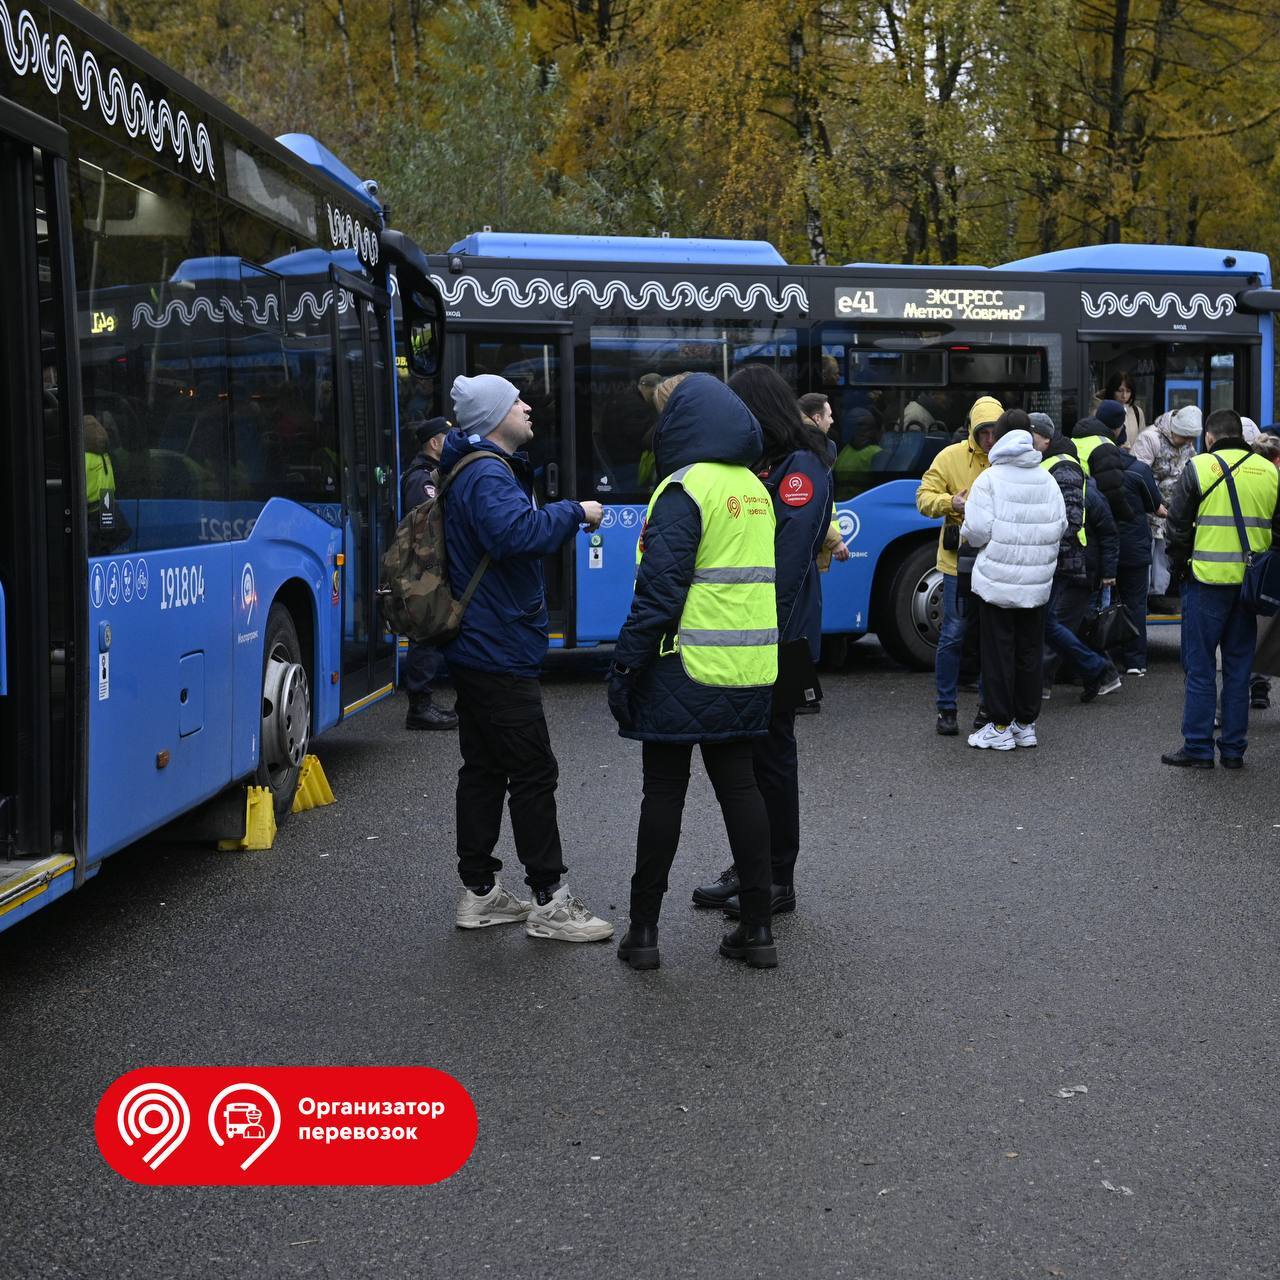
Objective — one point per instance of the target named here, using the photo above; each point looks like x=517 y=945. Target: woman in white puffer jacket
x=1015 y=516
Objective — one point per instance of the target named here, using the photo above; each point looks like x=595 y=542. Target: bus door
x=41 y=521
x=366 y=422
x=1167 y=376
x=541 y=365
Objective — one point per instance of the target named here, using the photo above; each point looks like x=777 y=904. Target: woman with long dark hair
x=796 y=472
x=1120 y=388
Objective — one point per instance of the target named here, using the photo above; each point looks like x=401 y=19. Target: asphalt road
x=976 y=932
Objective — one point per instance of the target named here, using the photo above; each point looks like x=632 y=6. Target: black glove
x=620 y=689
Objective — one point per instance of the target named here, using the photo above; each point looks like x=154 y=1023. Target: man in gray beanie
x=491 y=516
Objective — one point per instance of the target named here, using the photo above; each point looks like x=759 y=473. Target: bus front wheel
x=286 y=711
x=910 y=609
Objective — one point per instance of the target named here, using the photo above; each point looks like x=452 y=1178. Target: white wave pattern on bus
x=678 y=297
x=1111 y=304
x=223 y=309
x=31 y=52
x=347 y=232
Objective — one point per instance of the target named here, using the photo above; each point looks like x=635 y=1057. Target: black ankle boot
x=782 y=898
x=718 y=892
x=752 y=943
x=639 y=946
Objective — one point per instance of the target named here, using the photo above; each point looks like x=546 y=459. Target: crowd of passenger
x=1051 y=542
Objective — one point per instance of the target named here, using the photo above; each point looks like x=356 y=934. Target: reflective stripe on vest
x=1217 y=559
x=1048 y=464
x=728 y=630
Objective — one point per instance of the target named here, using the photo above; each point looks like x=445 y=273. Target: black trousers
x=421 y=665
x=666 y=780
x=506 y=748
x=777 y=768
x=1012 y=662
x=1132 y=581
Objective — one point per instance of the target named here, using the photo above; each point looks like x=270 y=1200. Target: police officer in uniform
x=1205 y=551
x=422 y=663
x=698 y=655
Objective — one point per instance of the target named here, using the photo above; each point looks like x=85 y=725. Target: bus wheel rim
x=286 y=714
x=927 y=606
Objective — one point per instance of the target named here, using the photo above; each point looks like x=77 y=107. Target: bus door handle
x=553 y=479
x=380 y=475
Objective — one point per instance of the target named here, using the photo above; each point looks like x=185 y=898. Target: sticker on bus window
x=104 y=677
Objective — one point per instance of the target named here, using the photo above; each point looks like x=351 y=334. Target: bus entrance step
x=24 y=879
x=313 y=787
x=259 y=822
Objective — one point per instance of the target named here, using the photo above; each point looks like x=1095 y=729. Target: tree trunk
x=805 y=106
x=344 y=34
x=1115 y=120
x=391 y=35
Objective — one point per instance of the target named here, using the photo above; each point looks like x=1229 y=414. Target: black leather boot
x=752 y=943
x=639 y=946
x=424 y=714
x=719 y=891
x=782 y=898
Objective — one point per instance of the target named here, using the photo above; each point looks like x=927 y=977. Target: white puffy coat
x=1015 y=514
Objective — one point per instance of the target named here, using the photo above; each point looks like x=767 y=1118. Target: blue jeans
x=1213 y=620
x=956 y=615
x=1062 y=639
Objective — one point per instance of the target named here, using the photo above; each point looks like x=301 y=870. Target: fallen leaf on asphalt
x=1124 y=1191
x=681 y=1107
x=1011 y=1155
x=884 y=1191
x=1071 y=1090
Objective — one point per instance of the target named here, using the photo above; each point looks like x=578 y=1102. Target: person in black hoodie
x=1102 y=462
x=652 y=694
x=796 y=473
x=1133 y=574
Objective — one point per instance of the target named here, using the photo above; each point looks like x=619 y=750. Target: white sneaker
x=479 y=911
x=566 y=919
x=989 y=737
x=1136 y=671
x=1024 y=735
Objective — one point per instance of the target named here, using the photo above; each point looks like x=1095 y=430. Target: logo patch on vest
x=796 y=489
x=735 y=506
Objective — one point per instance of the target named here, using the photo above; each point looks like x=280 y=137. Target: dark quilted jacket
x=1070 y=480
x=703 y=422
x=1106 y=468
x=1144 y=497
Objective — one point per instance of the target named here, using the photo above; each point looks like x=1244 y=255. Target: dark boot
x=639 y=946
x=947 y=725
x=782 y=897
x=719 y=891
x=424 y=714
x=752 y=943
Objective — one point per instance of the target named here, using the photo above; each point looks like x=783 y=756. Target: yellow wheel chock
x=313 y=787
x=259 y=822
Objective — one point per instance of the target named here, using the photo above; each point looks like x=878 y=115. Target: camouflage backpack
x=414 y=593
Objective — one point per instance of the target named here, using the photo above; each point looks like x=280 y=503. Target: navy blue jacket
x=703 y=422
x=1102 y=552
x=490 y=509
x=1144 y=496
x=418 y=483
x=800 y=531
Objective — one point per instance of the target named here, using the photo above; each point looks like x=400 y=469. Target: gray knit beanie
x=1042 y=425
x=480 y=403
x=1186 y=422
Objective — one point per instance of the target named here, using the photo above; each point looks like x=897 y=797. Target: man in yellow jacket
x=942 y=494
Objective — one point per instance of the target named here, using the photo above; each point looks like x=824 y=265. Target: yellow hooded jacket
x=953 y=471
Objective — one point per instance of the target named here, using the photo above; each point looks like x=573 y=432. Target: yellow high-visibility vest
x=1048 y=464
x=1217 y=558
x=728 y=631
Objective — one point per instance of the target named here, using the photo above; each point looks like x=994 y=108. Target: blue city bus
x=199 y=453
x=901 y=351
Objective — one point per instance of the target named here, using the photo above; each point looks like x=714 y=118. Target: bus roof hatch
x=618 y=249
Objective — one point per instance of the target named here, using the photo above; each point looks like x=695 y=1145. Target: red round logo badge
x=796 y=489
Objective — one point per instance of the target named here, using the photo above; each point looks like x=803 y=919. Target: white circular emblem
x=248 y=592
x=629 y=517
x=609 y=519
x=849 y=525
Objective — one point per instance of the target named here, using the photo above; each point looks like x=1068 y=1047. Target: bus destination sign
x=951 y=302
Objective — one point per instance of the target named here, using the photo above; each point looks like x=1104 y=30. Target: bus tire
x=910 y=608
x=286 y=711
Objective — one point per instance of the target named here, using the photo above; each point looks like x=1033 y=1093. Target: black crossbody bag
x=1260 y=590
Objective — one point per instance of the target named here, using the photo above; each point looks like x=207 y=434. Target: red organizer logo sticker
x=796 y=489
x=286 y=1126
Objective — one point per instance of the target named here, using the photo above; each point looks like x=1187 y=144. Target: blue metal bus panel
x=1148 y=259
x=318 y=156
x=620 y=249
x=159 y=620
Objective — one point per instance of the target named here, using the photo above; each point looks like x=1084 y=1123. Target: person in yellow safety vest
x=942 y=493
x=1206 y=552
x=697 y=657
x=107 y=527
x=1100 y=457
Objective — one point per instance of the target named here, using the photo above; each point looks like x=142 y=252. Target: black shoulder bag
x=1260 y=590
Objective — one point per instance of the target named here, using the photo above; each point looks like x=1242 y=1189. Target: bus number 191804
x=180 y=587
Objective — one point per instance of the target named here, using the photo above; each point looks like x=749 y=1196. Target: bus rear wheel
x=910 y=609
x=286 y=711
